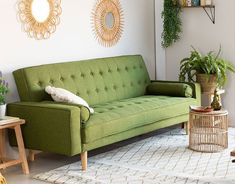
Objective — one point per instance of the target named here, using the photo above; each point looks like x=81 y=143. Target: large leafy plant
x=171 y=22
x=208 y=64
x=3 y=89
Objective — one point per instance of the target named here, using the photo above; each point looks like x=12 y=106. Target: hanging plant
x=171 y=22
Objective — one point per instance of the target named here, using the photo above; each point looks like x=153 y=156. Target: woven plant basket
x=208 y=84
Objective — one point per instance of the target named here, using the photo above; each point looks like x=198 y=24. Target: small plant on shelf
x=210 y=70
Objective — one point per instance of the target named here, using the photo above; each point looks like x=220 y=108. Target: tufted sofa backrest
x=97 y=80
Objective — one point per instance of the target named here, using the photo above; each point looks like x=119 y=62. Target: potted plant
x=3 y=91
x=210 y=70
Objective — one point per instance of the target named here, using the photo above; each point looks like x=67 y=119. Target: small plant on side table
x=210 y=70
x=3 y=91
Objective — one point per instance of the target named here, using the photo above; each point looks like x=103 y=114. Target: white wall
x=160 y=51
x=199 y=31
x=74 y=39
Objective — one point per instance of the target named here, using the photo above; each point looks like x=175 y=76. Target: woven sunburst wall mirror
x=107 y=20
x=39 y=17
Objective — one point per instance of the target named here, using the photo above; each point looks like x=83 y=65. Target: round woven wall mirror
x=39 y=17
x=107 y=20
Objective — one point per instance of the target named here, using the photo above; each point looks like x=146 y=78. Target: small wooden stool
x=14 y=124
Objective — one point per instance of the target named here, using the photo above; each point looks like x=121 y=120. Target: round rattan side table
x=208 y=132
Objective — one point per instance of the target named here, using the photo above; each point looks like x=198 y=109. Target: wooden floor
x=46 y=161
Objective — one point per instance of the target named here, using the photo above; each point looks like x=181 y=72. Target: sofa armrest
x=84 y=111
x=196 y=93
x=49 y=127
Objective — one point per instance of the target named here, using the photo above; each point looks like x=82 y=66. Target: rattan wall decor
x=39 y=28
x=107 y=21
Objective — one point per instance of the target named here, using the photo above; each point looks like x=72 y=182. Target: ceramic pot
x=208 y=84
x=3 y=110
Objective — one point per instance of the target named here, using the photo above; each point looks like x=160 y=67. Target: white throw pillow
x=63 y=95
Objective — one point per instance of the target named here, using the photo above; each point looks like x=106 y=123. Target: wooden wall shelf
x=209 y=9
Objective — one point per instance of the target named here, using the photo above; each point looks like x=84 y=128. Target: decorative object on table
x=216 y=103
x=3 y=91
x=15 y=124
x=196 y=2
x=208 y=131
x=202 y=2
x=171 y=22
x=107 y=20
x=201 y=108
x=210 y=70
x=208 y=2
x=39 y=17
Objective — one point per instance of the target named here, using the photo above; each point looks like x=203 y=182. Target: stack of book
x=7 y=120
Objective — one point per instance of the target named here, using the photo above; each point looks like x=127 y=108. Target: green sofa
x=116 y=89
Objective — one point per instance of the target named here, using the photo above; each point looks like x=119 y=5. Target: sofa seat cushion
x=118 y=116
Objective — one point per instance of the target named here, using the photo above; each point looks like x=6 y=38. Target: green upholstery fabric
x=84 y=111
x=49 y=127
x=114 y=87
x=135 y=132
x=170 y=89
x=119 y=116
x=97 y=81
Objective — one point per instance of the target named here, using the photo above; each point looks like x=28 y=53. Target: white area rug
x=162 y=159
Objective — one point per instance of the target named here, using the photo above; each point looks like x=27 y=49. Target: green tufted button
x=62 y=78
x=77 y=93
x=40 y=83
x=134 y=67
x=124 y=85
x=97 y=90
x=88 y=92
x=106 y=89
x=82 y=75
x=101 y=73
x=111 y=108
x=139 y=82
x=92 y=73
x=51 y=81
x=131 y=83
x=109 y=70
x=115 y=87
x=72 y=76
x=126 y=68
x=118 y=69
x=141 y=66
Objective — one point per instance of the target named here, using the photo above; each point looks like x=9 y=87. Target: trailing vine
x=171 y=22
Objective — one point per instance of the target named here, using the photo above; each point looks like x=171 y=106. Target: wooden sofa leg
x=84 y=160
x=186 y=126
x=31 y=155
